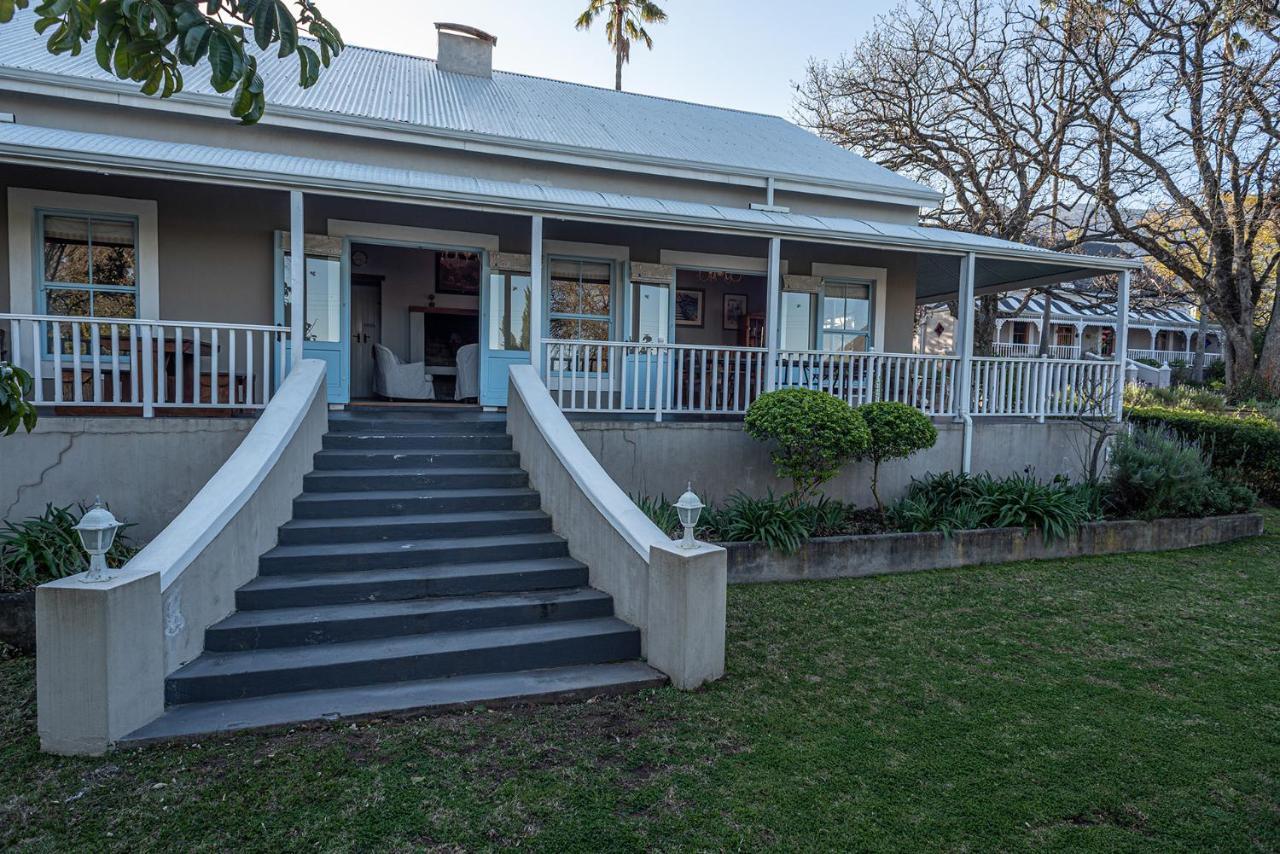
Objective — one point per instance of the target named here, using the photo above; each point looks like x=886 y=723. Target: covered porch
x=625 y=305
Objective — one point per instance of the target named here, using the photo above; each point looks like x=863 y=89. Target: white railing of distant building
x=1030 y=351
x=658 y=379
x=146 y=364
x=1168 y=356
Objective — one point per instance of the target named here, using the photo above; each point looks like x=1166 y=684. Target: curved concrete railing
x=106 y=648
x=676 y=597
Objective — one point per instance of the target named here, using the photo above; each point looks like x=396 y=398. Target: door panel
x=366 y=330
x=506 y=315
x=328 y=316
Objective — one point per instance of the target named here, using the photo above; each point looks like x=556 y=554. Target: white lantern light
x=97 y=530
x=689 y=508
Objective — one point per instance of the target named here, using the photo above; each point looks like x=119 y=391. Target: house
x=1166 y=334
x=539 y=248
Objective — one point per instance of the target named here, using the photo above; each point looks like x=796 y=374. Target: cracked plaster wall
x=145 y=469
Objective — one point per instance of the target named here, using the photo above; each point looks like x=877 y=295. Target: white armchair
x=396 y=379
x=468 y=385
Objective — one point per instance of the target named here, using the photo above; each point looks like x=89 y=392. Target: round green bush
x=814 y=434
x=896 y=431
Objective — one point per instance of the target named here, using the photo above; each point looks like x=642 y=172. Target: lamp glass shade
x=689 y=508
x=97 y=530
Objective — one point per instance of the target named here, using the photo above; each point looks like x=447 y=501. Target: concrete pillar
x=686 y=612
x=100 y=667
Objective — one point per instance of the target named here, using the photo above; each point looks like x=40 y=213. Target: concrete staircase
x=417 y=573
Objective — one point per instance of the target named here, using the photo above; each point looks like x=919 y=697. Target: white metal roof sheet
x=413 y=92
x=32 y=144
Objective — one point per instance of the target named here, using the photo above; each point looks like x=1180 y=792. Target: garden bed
x=882 y=554
x=18 y=620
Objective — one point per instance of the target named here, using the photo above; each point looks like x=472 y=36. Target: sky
x=744 y=54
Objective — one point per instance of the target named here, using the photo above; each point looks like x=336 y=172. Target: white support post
x=535 y=294
x=1122 y=341
x=772 y=320
x=297 y=278
x=964 y=349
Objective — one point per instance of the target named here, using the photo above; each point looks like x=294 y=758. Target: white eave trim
x=187 y=103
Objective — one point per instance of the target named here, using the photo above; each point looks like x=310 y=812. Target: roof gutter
x=213 y=106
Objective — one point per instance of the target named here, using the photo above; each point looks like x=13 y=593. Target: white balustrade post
x=535 y=295
x=657 y=405
x=148 y=373
x=297 y=279
x=1122 y=341
x=772 y=320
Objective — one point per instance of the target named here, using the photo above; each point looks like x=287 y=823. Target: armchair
x=396 y=379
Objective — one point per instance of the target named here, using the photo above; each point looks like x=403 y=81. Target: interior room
x=415 y=323
x=719 y=308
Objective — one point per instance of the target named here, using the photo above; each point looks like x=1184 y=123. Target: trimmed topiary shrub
x=1248 y=448
x=897 y=431
x=814 y=434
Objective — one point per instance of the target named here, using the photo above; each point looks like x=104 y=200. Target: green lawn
x=1106 y=704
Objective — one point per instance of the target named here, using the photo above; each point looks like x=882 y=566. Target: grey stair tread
x=371 y=610
x=495 y=516
x=414 y=452
x=258 y=661
x=280 y=553
x=560 y=683
x=423 y=494
x=436 y=472
x=439 y=571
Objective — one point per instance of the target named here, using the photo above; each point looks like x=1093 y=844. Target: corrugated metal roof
x=1063 y=307
x=27 y=143
x=414 y=92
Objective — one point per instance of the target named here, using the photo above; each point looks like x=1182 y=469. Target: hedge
x=1249 y=445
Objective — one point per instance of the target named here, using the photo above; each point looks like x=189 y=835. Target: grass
x=1124 y=703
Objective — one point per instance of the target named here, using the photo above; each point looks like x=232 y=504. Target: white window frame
x=844 y=274
x=25 y=207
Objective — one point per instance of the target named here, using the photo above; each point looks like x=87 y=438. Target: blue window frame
x=580 y=306
x=88 y=266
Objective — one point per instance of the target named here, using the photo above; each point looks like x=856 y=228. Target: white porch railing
x=923 y=381
x=1165 y=356
x=1031 y=351
x=615 y=377
x=144 y=364
x=1040 y=388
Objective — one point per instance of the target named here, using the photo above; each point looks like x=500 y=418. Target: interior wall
x=712 y=331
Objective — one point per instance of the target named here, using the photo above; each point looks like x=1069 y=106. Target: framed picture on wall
x=689 y=302
x=458 y=273
x=735 y=306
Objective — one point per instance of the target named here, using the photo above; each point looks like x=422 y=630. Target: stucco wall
x=654 y=459
x=146 y=469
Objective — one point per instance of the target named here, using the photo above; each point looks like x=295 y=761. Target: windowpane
x=112 y=304
x=595 y=298
x=114 y=253
x=66 y=249
x=509 y=311
x=324 y=300
x=566 y=297
x=653 y=313
x=797 y=320
x=73 y=303
x=563 y=329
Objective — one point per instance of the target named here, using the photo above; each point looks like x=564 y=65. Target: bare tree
x=956 y=94
x=1183 y=114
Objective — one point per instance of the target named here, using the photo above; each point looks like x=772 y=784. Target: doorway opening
x=415 y=323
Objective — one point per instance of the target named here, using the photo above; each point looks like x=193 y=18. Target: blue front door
x=328 y=314
x=505 y=318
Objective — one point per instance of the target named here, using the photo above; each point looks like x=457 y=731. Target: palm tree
x=625 y=25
